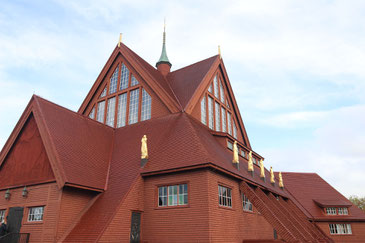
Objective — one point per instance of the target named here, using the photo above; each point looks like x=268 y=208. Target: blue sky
x=296 y=67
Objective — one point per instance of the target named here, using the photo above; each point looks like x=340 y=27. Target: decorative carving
x=250 y=163
x=235 y=153
x=144 y=150
x=281 y=183
x=262 y=169
x=272 y=177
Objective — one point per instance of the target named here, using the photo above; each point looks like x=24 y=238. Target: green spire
x=163 y=57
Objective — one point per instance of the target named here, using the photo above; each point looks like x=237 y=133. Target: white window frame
x=35 y=214
x=340 y=229
x=331 y=211
x=343 y=211
x=224 y=196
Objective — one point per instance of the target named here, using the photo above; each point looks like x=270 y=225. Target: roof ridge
x=198 y=62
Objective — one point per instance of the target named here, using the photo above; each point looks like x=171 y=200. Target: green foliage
x=358 y=201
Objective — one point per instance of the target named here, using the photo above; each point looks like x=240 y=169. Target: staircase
x=290 y=222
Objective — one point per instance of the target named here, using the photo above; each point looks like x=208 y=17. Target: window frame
x=178 y=205
x=29 y=214
x=335 y=229
x=227 y=198
x=245 y=202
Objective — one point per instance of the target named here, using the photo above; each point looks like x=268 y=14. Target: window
x=225 y=196
x=133 y=106
x=340 y=229
x=203 y=111
x=100 y=114
x=243 y=153
x=210 y=89
x=110 y=114
x=2 y=215
x=230 y=145
x=134 y=81
x=246 y=204
x=217 y=117
x=122 y=110
x=343 y=211
x=35 y=214
x=146 y=106
x=124 y=77
x=234 y=130
x=216 y=91
x=92 y=113
x=331 y=211
x=103 y=94
x=114 y=82
x=210 y=113
x=224 y=125
x=173 y=195
x=222 y=92
x=229 y=123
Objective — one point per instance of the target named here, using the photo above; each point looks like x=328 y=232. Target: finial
x=144 y=150
x=219 y=51
x=262 y=169
x=281 y=183
x=235 y=153
x=272 y=177
x=120 y=39
x=250 y=163
x=163 y=58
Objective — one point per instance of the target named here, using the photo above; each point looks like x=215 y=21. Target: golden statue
x=250 y=163
x=281 y=184
x=235 y=153
x=262 y=169
x=144 y=151
x=272 y=178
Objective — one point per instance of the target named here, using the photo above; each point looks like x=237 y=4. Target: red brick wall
x=358 y=232
x=203 y=219
x=46 y=195
x=73 y=202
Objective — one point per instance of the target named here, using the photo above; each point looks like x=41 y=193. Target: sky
x=296 y=67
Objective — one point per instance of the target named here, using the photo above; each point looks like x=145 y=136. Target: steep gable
x=27 y=161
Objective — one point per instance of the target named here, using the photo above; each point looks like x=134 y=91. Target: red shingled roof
x=307 y=188
x=81 y=146
x=185 y=81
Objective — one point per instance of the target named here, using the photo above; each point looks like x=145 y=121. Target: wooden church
x=154 y=155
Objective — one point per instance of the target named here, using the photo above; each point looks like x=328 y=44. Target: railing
x=15 y=238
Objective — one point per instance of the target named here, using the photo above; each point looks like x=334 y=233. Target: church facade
x=154 y=155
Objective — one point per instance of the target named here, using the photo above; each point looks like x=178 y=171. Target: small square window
x=230 y=145
x=35 y=214
x=331 y=211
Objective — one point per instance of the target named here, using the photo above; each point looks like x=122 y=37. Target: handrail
x=15 y=238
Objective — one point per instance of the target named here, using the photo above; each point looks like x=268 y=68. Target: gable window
x=2 y=215
x=210 y=112
x=146 y=106
x=224 y=125
x=234 y=130
x=246 y=204
x=101 y=110
x=92 y=113
x=124 y=77
x=203 y=112
x=210 y=89
x=114 y=81
x=133 y=106
x=222 y=92
x=110 y=114
x=103 y=94
x=225 y=196
x=331 y=211
x=35 y=214
x=216 y=91
x=217 y=117
x=340 y=229
x=134 y=81
x=229 y=123
x=122 y=110
x=174 y=195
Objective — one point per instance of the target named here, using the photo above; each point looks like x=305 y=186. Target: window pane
x=217 y=117
x=2 y=215
x=103 y=94
x=183 y=194
x=114 y=81
x=110 y=112
x=210 y=112
x=172 y=195
x=222 y=92
x=35 y=214
x=229 y=123
x=224 y=125
x=162 y=196
x=203 y=111
x=133 y=106
x=215 y=82
x=146 y=106
x=122 y=110
x=134 y=81
x=234 y=130
x=210 y=89
x=124 y=77
x=101 y=110
x=92 y=113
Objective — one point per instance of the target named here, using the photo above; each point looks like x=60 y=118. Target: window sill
x=172 y=207
x=32 y=223
x=341 y=234
x=227 y=208
x=247 y=211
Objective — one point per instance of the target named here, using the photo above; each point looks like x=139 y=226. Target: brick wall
x=358 y=232
x=46 y=195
